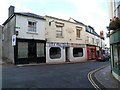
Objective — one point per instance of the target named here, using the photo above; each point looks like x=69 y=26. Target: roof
x=78 y=22
x=24 y=14
x=93 y=31
x=30 y=15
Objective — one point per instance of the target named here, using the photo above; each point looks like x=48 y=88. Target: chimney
x=11 y=10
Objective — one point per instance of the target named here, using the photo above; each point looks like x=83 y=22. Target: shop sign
x=13 y=40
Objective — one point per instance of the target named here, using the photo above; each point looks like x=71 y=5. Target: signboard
x=13 y=40
x=64 y=45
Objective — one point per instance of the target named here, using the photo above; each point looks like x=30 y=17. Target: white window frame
x=34 y=27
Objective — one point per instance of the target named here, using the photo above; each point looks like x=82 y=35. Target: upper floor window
x=59 y=29
x=97 y=41
x=78 y=32
x=92 y=40
x=32 y=26
x=88 y=39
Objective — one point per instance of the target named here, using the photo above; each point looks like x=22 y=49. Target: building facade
x=24 y=40
x=114 y=35
x=65 y=41
x=0 y=44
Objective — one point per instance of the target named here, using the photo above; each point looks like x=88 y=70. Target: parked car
x=102 y=57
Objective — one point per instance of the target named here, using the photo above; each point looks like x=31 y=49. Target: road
x=50 y=76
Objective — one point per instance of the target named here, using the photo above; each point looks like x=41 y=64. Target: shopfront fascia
x=64 y=52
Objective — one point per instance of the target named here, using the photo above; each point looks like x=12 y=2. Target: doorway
x=32 y=51
x=66 y=54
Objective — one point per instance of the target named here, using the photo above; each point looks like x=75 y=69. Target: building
x=0 y=44
x=65 y=41
x=24 y=38
x=114 y=35
x=94 y=43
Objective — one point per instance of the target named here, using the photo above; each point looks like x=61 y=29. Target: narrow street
x=50 y=76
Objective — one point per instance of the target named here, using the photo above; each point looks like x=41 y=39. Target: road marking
x=90 y=77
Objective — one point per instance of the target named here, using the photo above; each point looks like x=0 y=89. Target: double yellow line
x=90 y=77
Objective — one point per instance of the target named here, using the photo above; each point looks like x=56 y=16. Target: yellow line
x=90 y=77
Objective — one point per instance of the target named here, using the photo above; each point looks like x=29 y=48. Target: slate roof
x=30 y=14
x=24 y=14
x=78 y=22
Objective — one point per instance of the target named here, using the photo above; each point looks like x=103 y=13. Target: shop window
x=22 y=50
x=40 y=50
x=116 y=55
x=55 y=52
x=77 y=52
x=31 y=26
x=92 y=53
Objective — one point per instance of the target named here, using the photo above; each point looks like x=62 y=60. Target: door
x=66 y=54
x=32 y=51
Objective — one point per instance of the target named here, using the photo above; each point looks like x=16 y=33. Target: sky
x=89 y=12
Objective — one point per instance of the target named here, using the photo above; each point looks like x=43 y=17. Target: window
x=116 y=55
x=59 y=29
x=31 y=26
x=97 y=41
x=92 y=40
x=88 y=39
x=78 y=30
x=59 y=32
x=55 y=52
x=77 y=52
x=40 y=50
x=22 y=50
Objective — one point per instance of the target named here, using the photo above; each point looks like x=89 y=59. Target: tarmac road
x=50 y=76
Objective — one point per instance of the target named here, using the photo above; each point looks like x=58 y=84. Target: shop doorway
x=66 y=54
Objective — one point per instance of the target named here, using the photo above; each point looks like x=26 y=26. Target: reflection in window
x=77 y=52
x=115 y=56
x=22 y=50
x=55 y=52
x=40 y=50
x=31 y=26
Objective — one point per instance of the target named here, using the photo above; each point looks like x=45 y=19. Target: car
x=102 y=57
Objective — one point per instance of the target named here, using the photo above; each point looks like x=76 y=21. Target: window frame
x=77 y=49
x=51 y=57
x=34 y=27
x=78 y=32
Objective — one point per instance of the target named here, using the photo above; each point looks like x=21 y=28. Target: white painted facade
x=69 y=40
x=22 y=24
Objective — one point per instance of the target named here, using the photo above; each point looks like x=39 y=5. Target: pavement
x=105 y=77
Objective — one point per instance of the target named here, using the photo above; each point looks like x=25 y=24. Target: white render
x=69 y=36
x=69 y=31
x=22 y=24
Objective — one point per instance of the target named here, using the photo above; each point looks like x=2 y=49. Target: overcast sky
x=90 y=12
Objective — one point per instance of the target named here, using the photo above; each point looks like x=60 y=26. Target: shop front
x=29 y=51
x=115 y=53
x=63 y=52
x=91 y=52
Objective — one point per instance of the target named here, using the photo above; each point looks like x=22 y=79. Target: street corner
x=104 y=77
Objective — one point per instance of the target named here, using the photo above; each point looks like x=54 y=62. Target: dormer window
x=32 y=26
